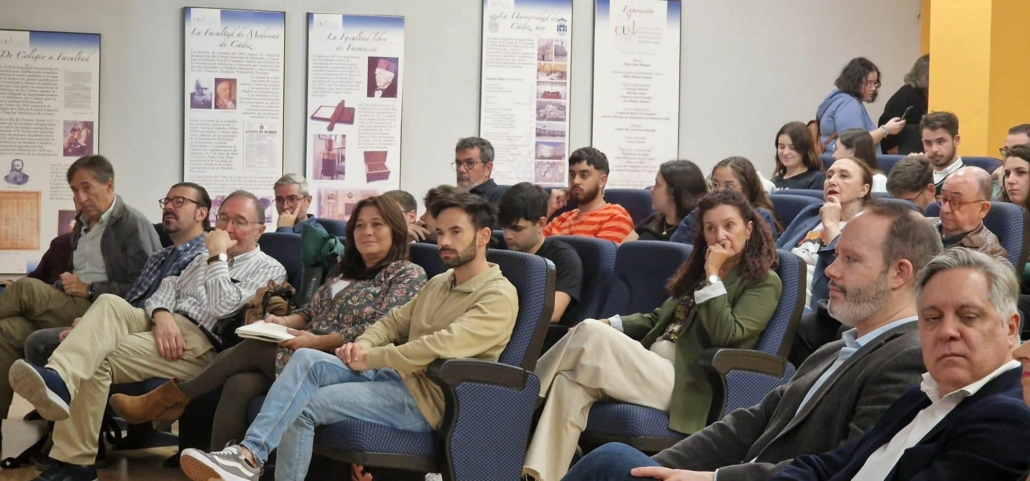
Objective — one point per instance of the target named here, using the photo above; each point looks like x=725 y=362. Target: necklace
x=666 y=227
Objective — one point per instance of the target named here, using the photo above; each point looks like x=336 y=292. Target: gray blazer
x=846 y=406
x=126 y=245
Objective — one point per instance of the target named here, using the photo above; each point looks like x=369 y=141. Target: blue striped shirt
x=169 y=261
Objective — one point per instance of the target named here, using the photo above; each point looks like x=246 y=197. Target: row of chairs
x=886 y=162
x=335 y=227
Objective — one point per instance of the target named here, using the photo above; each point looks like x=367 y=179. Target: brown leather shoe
x=165 y=403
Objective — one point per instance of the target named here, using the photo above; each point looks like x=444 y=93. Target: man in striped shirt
x=588 y=174
x=170 y=338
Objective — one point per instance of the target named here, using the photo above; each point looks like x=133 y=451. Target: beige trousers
x=591 y=363
x=113 y=344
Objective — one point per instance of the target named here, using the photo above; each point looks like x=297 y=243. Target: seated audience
x=813 y=234
x=842 y=109
x=291 y=202
x=678 y=186
x=473 y=164
x=964 y=204
x=593 y=217
x=967 y=419
x=110 y=245
x=722 y=296
x=797 y=163
x=1018 y=135
x=467 y=312
x=1017 y=184
x=911 y=179
x=523 y=215
x=425 y=228
x=838 y=393
x=939 y=131
x=373 y=277
x=170 y=338
x=738 y=174
x=406 y=203
x=858 y=144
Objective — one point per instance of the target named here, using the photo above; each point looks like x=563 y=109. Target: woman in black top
x=912 y=94
x=797 y=164
x=678 y=186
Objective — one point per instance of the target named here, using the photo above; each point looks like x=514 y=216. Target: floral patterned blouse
x=358 y=305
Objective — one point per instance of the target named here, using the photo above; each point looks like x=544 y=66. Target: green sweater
x=734 y=320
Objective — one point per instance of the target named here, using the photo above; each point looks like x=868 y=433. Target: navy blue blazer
x=685 y=232
x=806 y=220
x=986 y=437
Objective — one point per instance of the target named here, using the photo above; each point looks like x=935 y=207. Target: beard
x=859 y=303
x=460 y=258
x=587 y=196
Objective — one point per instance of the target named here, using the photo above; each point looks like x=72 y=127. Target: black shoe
x=43 y=388
x=68 y=472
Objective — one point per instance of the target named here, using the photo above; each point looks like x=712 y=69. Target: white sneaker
x=227 y=464
x=434 y=477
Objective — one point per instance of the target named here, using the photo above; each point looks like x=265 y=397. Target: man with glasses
x=291 y=202
x=110 y=244
x=473 y=164
x=171 y=337
x=964 y=204
x=406 y=202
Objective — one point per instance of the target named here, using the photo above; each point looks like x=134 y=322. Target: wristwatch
x=220 y=257
x=712 y=279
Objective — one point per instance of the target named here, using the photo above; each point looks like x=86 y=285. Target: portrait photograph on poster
x=551 y=130
x=201 y=96
x=551 y=71
x=225 y=94
x=550 y=110
x=17 y=175
x=552 y=172
x=550 y=150
x=78 y=138
x=545 y=49
x=548 y=90
x=382 y=71
x=65 y=221
x=329 y=156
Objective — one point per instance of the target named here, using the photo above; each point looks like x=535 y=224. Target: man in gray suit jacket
x=839 y=392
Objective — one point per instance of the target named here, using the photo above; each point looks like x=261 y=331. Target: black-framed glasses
x=291 y=200
x=956 y=204
x=176 y=201
x=467 y=164
x=238 y=222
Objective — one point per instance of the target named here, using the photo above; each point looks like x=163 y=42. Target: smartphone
x=908 y=110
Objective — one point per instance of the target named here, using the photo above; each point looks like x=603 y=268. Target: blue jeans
x=611 y=462
x=317 y=388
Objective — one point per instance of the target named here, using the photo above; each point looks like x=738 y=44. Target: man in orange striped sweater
x=588 y=174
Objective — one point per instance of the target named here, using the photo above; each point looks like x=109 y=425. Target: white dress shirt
x=938 y=176
x=883 y=460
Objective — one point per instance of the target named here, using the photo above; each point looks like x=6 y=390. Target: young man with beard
x=940 y=145
x=839 y=392
x=588 y=174
x=467 y=312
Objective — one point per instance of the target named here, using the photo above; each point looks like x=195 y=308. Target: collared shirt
x=299 y=226
x=490 y=191
x=882 y=461
x=939 y=176
x=87 y=259
x=205 y=293
x=169 y=261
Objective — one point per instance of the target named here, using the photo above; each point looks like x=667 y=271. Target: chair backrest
x=636 y=201
x=828 y=160
x=778 y=336
x=498 y=240
x=533 y=278
x=814 y=193
x=1007 y=221
x=990 y=164
x=642 y=268
x=335 y=227
x=934 y=210
x=427 y=256
x=598 y=257
x=162 y=235
x=887 y=162
x=787 y=206
x=284 y=247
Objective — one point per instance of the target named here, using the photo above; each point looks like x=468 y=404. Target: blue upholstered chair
x=740 y=377
x=787 y=206
x=427 y=256
x=642 y=268
x=813 y=193
x=333 y=227
x=285 y=248
x=1009 y=223
x=990 y=164
x=636 y=201
x=598 y=258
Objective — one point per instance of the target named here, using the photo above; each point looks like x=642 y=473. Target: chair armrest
x=453 y=372
x=725 y=360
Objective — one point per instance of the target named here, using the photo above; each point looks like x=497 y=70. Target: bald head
x=972 y=180
x=965 y=195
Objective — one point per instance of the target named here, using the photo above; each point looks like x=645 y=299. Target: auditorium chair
x=598 y=257
x=642 y=269
x=427 y=256
x=887 y=162
x=1010 y=223
x=332 y=226
x=739 y=377
x=787 y=206
x=990 y=164
x=637 y=203
x=498 y=242
x=813 y=193
x=285 y=248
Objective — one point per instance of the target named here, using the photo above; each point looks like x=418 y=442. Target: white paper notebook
x=264 y=331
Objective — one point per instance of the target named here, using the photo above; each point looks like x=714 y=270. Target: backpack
x=813 y=130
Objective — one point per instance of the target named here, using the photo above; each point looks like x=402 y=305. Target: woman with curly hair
x=739 y=174
x=859 y=82
x=722 y=296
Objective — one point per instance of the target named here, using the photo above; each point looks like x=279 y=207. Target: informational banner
x=49 y=117
x=636 y=87
x=355 y=87
x=524 y=105
x=235 y=64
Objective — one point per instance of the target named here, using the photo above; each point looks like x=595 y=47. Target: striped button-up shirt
x=169 y=261
x=206 y=292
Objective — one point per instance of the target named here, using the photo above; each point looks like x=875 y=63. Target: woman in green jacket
x=723 y=296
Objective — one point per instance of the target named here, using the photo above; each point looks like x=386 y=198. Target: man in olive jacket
x=839 y=392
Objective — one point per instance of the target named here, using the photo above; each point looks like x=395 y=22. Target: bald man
x=965 y=201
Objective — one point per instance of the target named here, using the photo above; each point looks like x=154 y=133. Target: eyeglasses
x=955 y=204
x=467 y=164
x=178 y=202
x=874 y=85
x=1004 y=151
x=238 y=222
x=291 y=200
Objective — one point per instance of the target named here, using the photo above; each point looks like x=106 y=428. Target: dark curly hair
x=759 y=253
x=852 y=77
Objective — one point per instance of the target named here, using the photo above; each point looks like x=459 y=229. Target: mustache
x=448 y=249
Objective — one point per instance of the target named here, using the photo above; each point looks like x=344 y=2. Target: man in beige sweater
x=468 y=312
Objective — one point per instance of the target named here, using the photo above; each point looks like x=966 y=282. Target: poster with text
x=235 y=64
x=49 y=117
x=524 y=104
x=355 y=71
x=636 y=87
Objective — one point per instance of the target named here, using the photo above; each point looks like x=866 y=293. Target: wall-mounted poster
x=524 y=104
x=636 y=87
x=235 y=63
x=355 y=71
x=49 y=117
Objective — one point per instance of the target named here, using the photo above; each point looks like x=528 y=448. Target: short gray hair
x=486 y=149
x=1002 y=284
x=292 y=179
x=259 y=208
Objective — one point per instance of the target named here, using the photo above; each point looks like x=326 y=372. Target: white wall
x=748 y=66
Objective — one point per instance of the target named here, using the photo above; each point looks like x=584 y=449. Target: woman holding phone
x=910 y=104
